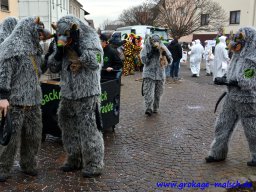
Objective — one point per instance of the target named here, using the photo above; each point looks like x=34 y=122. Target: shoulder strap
x=33 y=61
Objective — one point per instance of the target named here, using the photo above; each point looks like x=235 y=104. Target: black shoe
x=208 y=74
x=68 y=168
x=251 y=163
x=155 y=111
x=30 y=173
x=148 y=112
x=89 y=174
x=194 y=75
x=211 y=159
x=3 y=178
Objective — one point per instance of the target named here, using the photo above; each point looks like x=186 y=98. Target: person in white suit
x=196 y=54
x=221 y=59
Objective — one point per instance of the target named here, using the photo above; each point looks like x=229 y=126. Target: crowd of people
x=81 y=56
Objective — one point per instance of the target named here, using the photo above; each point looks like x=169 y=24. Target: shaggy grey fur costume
x=240 y=102
x=19 y=84
x=80 y=92
x=7 y=27
x=153 y=74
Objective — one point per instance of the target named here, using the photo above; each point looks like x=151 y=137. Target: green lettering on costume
x=249 y=73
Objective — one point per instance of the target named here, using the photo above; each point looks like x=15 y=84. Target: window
x=204 y=19
x=234 y=17
x=4 y=5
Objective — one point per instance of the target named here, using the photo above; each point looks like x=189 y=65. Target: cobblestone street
x=168 y=146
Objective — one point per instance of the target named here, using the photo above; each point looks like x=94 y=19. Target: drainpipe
x=50 y=14
x=254 y=8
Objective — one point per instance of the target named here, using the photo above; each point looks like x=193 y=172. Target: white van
x=143 y=31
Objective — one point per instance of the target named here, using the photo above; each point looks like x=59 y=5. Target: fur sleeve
x=247 y=77
x=5 y=79
x=91 y=59
x=145 y=56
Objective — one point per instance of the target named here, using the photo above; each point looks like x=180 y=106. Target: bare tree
x=184 y=17
x=111 y=25
x=144 y=14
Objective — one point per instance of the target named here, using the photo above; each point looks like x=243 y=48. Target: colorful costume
x=137 y=50
x=129 y=51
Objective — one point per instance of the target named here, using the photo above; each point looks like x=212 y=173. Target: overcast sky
x=100 y=10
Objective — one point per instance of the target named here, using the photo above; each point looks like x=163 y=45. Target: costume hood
x=24 y=40
x=88 y=38
x=248 y=51
x=223 y=39
x=148 y=43
x=7 y=27
x=197 y=41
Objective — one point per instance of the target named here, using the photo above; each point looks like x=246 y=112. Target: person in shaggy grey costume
x=80 y=63
x=240 y=101
x=153 y=73
x=20 y=94
x=6 y=27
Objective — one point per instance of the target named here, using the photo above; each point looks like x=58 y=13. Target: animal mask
x=238 y=42
x=68 y=36
x=44 y=34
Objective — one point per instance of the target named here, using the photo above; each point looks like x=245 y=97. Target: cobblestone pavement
x=169 y=146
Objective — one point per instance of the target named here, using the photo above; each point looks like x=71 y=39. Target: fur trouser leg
x=159 y=89
x=31 y=136
x=248 y=119
x=224 y=127
x=9 y=152
x=92 y=144
x=68 y=122
x=153 y=91
x=149 y=92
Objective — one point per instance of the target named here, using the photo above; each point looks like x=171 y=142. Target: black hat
x=103 y=37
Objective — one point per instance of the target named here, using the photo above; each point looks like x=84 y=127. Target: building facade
x=9 y=8
x=240 y=13
x=51 y=10
x=48 y=10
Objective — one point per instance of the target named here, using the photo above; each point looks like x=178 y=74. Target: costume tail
x=99 y=122
x=219 y=100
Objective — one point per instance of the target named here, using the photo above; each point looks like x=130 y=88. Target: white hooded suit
x=221 y=55
x=196 y=57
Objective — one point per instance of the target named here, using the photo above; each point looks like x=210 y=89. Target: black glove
x=59 y=54
x=74 y=34
x=164 y=53
x=233 y=83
